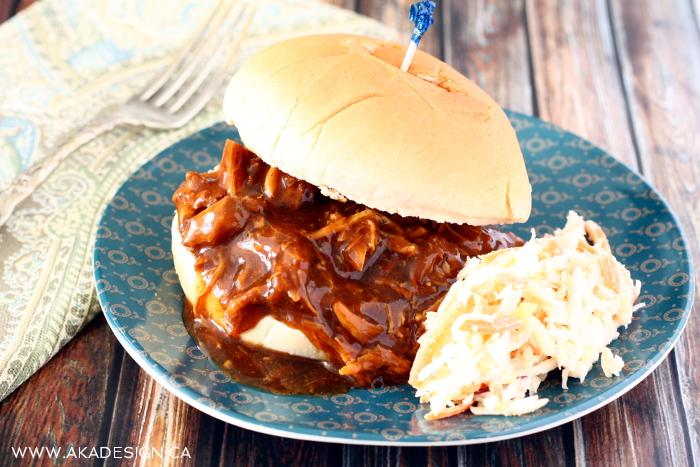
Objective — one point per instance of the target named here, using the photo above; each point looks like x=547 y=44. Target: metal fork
x=171 y=101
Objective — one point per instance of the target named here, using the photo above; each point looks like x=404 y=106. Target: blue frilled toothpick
x=421 y=14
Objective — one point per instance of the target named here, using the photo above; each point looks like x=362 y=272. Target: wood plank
x=634 y=430
x=551 y=448
x=349 y=4
x=67 y=402
x=580 y=88
x=395 y=14
x=22 y=4
x=546 y=448
x=659 y=48
x=488 y=44
x=576 y=74
x=379 y=456
x=539 y=449
x=247 y=448
x=7 y=10
x=147 y=416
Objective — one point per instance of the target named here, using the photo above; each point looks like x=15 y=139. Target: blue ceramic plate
x=142 y=299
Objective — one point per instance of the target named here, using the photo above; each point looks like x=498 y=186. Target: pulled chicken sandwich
x=311 y=255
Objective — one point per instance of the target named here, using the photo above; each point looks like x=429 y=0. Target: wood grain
x=579 y=87
x=395 y=14
x=488 y=44
x=576 y=75
x=550 y=448
x=22 y=4
x=348 y=4
x=660 y=55
x=7 y=10
x=645 y=427
x=244 y=447
x=67 y=402
x=146 y=415
x=378 y=456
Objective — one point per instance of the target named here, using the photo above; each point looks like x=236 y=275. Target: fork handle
x=26 y=182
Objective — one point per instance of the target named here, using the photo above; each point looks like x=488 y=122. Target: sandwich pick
x=421 y=13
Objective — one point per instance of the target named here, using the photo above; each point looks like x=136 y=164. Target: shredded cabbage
x=516 y=314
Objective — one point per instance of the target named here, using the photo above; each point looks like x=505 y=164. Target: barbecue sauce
x=356 y=281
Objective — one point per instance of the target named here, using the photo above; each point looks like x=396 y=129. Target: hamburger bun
x=268 y=333
x=336 y=110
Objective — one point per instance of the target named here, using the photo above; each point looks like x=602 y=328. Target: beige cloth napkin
x=60 y=64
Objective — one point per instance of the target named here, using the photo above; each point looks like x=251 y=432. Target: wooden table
x=624 y=74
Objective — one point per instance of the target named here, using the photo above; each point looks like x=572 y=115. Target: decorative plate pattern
x=142 y=299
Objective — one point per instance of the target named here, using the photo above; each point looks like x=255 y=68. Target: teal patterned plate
x=142 y=299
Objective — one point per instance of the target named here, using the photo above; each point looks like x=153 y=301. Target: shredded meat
x=356 y=281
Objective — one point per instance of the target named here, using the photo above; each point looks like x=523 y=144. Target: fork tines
x=208 y=55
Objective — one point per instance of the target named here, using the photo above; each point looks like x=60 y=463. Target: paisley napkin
x=61 y=62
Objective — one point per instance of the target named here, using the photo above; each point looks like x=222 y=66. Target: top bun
x=336 y=111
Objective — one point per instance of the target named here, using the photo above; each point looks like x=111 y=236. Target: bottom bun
x=268 y=333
